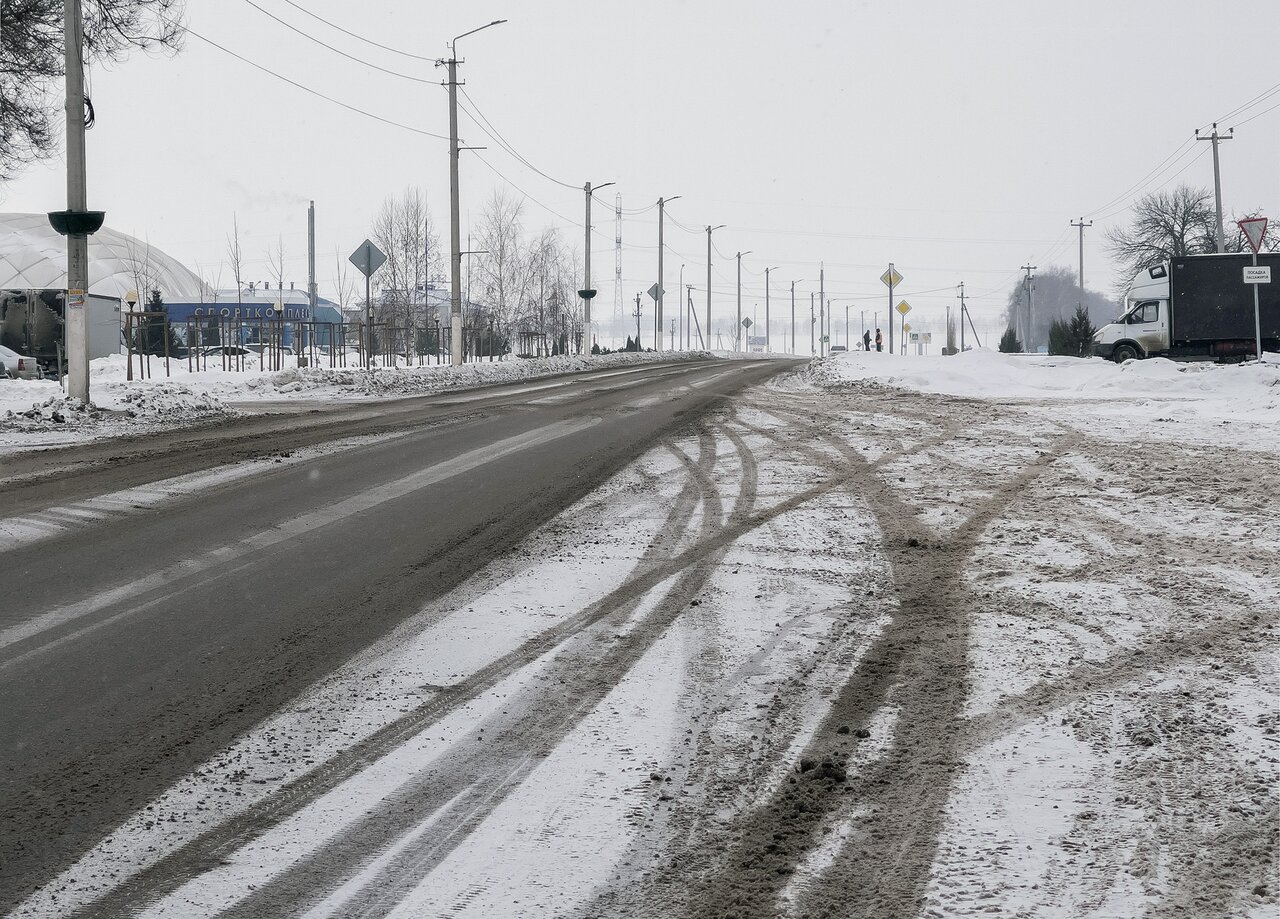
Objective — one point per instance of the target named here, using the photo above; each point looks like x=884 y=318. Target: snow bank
x=29 y=408
x=1221 y=392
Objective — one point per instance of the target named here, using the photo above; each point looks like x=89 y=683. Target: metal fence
x=219 y=343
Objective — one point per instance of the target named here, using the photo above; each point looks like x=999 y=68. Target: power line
x=367 y=41
x=503 y=142
x=317 y=93
x=1256 y=115
x=1262 y=96
x=338 y=51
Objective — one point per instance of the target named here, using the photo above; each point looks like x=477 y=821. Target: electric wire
x=314 y=92
x=367 y=41
x=339 y=51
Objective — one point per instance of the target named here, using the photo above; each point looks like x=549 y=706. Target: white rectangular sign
x=1257 y=274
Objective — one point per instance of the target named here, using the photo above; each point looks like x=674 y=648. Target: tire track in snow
x=482 y=769
x=208 y=850
x=921 y=657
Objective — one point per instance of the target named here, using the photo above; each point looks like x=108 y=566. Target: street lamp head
x=712 y=229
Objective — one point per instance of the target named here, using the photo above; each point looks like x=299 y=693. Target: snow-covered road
x=841 y=648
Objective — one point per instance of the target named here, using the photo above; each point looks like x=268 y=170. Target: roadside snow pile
x=308 y=382
x=144 y=403
x=120 y=405
x=1171 y=390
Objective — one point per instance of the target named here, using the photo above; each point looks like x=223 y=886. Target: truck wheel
x=1124 y=353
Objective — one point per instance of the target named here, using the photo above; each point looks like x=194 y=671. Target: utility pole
x=587 y=292
x=813 y=351
x=662 y=203
x=1081 y=224
x=455 y=219
x=710 y=230
x=822 y=300
x=962 y=314
x=684 y=315
x=846 y=327
x=793 y=317
x=737 y=331
x=76 y=322
x=1217 y=176
x=889 y=314
x=672 y=340
x=1030 y=313
x=637 y=322
x=311 y=271
x=768 y=347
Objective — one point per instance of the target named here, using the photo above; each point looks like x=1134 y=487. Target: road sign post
x=903 y=308
x=1255 y=231
x=892 y=279
x=368 y=258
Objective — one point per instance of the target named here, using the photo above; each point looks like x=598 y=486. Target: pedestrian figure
x=866 y=340
x=879 y=341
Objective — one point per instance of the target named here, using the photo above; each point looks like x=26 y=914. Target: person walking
x=866 y=339
x=879 y=341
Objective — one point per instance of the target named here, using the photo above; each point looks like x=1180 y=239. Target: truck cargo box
x=1210 y=300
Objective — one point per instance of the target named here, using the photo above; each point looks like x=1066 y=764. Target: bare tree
x=31 y=62
x=275 y=264
x=508 y=267
x=235 y=258
x=405 y=231
x=1165 y=225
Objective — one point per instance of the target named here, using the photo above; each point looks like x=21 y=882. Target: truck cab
x=1143 y=327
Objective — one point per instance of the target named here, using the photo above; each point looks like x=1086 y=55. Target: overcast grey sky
x=956 y=139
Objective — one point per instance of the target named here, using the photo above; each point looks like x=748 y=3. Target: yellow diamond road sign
x=891 y=278
x=906 y=327
x=904 y=307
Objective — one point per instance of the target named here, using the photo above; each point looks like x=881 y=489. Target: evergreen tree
x=1009 y=343
x=631 y=346
x=595 y=348
x=1082 y=332
x=1060 y=339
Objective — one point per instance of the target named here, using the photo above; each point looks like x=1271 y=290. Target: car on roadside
x=227 y=350
x=17 y=366
x=836 y=348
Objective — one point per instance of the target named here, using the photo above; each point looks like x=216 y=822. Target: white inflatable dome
x=34 y=257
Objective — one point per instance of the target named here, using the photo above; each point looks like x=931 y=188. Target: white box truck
x=1195 y=308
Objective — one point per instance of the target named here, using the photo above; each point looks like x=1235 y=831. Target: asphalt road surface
x=144 y=627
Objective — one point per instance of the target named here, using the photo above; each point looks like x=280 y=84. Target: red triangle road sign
x=1254 y=229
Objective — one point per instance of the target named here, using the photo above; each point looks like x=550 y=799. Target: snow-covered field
x=36 y=413
x=936 y=637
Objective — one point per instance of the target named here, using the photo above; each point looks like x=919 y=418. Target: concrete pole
x=311 y=270
x=793 y=317
x=658 y=322
x=813 y=351
x=455 y=223
x=1213 y=138
x=1081 y=225
x=76 y=322
x=586 y=275
x=707 y=339
x=962 y=317
x=768 y=348
x=889 y=314
x=822 y=301
x=737 y=330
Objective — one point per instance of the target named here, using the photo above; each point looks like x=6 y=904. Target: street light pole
x=76 y=322
x=737 y=330
x=662 y=203
x=587 y=293
x=710 y=230
x=455 y=214
x=768 y=347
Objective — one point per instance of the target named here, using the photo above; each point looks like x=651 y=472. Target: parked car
x=17 y=366
x=835 y=348
x=228 y=350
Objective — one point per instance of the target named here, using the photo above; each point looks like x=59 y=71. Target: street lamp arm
x=496 y=22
